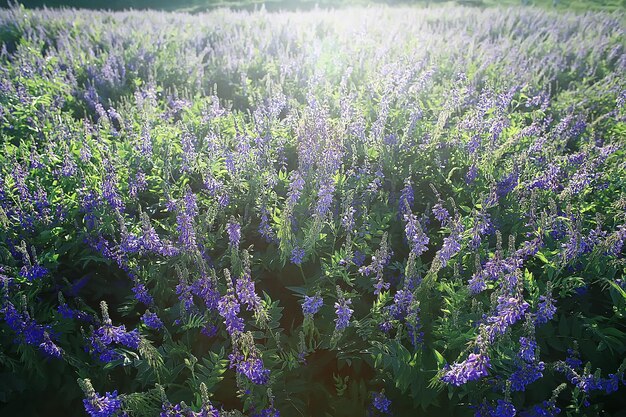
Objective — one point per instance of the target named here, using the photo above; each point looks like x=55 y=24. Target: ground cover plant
x=381 y=211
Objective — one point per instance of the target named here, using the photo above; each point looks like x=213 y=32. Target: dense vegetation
x=195 y=6
x=361 y=212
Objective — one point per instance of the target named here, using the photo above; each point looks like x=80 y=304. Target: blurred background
x=195 y=6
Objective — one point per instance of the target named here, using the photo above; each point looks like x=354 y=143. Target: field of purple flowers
x=366 y=212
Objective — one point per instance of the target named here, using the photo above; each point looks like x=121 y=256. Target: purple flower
x=441 y=214
x=28 y=330
x=105 y=406
x=229 y=308
x=253 y=369
x=504 y=409
x=297 y=255
x=295 y=189
x=234 y=233
x=450 y=247
x=324 y=198
x=406 y=198
x=244 y=288
x=312 y=305
x=265 y=229
x=546 y=409
x=106 y=337
x=471 y=369
x=418 y=240
x=527 y=349
x=545 y=310
x=186 y=232
x=49 y=348
x=343 y=313
x=109 y=188
x=509 y=311
x=33 y=272
x=381 y=402
x=507 y=184
x=472 y=174
x=141 y=294
x=152 y=320
x=525 y=374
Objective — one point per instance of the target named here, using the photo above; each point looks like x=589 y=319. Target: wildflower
x=406 y=198
x=504 y=409
x=441 y=214
x=418 y=240
x=152 y=320
x=545 y=310
x=381 y=402
x=244 y=288
x=312 y=305
x=108 y=405
x=297 y=255
x=525 y=374
x=228 y=307
x=471 y=369
x=234 y=233
x=343 y=313
x=527 y=349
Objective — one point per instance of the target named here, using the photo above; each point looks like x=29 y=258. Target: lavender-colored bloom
x=186 y=232
x=152 y=320
x=295 y=188
x=229 y=308
x=507 y=184
x=343 y=313
x=545 y=409
x=29 y=331
x=253 y=369
x=141 y=294
x=509 y=311
x=573 y=359
x=407 y=198
x=441 y=213
x=106 y=406
x=234 y=233
x=267 y=412
x=477 y=284
x=206 y=290
x=312 y=305
x=381 y=402
x=414 y=325
x=358 y=258
x=418 y=240
x=402 y=300
x=189 y=155
x=106 y=337
x=324 y=198
x=244 y=287
x=49 y=348
x=110 y=191
x=472 y=174
x=545 y=310
x=184 y=219
x=33 y=272
x=525 y=374
x=451 y=246
x=474 y=367
x=504 y=409
x=297 y=255
x=265 y=229
x=527 y=349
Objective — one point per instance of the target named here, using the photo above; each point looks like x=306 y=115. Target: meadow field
x=366 y=211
